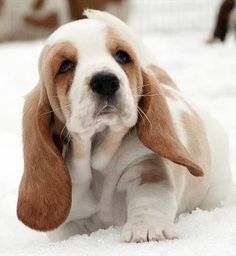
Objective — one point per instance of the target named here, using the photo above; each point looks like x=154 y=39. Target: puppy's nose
x=105 y=84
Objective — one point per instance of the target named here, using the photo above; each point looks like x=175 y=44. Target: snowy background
x=205 y=73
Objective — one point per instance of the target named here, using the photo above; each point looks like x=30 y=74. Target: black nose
x=105 y=84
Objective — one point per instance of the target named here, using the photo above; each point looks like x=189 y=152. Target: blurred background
x=194 y=40
x=30 y=19
x=174 y=16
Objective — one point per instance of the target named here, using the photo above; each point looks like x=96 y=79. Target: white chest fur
x=98 y=194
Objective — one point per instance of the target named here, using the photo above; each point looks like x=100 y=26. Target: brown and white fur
x=139 y=166
x=32 y=19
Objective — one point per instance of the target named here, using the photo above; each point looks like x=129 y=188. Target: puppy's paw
x=145 y=231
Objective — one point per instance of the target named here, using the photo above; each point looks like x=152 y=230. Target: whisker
x=60 y=108
x=57 y=96
x=102 y=108
x=61 y=133
x=140 y=113
x=146 y=117
x=99 y=111
x=147 y=95
x=68 y=136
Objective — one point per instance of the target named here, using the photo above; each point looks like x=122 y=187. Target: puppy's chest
x=130 y=150
x=107 y=201
x=106 y=177
x=105 y=182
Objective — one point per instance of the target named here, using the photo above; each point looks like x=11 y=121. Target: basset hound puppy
x=110 y=140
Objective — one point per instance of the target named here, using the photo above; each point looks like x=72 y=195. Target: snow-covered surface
x=206 y=74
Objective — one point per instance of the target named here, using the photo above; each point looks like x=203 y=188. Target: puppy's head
x=93 y=74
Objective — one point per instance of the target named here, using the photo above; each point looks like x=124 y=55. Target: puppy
x=110 y=140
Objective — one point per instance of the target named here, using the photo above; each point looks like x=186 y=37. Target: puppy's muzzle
x=105 y=84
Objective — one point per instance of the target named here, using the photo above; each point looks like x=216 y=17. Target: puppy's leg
x=64 y=232
x=69 y=229
x=151 y=206
x=78 y=161
x=104 y=152
x=151 y=213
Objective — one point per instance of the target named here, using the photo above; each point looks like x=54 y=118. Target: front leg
x=151 y=205
x=78 y=161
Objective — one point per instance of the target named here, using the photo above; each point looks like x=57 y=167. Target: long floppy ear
x=45 y=191
x=156 y=131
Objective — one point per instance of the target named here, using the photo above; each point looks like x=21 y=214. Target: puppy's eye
x=122 y=57
x=66 y=66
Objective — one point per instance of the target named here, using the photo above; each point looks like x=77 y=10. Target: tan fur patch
x=77 y=6
x=197 y=139
x=162 y=76
x=169 y=93
x=38 y=4
x=113 y=141
x=133 y=69
x=192 y=126
x=1 y=5
x=198 y=147
x=154 y=171
x=58 y=85
x=50 y=21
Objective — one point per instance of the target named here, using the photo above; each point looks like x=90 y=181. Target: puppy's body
x=157 y=198
x=130 y=170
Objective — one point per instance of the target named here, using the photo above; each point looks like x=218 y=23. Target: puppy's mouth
x=107 y=107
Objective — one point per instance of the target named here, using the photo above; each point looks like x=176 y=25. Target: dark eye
x=66 y=66
x=122 y=57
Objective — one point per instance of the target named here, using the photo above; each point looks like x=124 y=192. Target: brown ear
x=156 y=130
x=45 y=191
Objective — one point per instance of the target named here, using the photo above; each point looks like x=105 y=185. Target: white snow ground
x=205 y=74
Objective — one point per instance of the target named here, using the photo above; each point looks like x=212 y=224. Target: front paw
x=140 y=231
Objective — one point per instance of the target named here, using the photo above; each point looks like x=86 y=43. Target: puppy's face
x=95 y=77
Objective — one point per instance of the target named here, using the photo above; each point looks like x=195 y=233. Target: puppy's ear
x=156 y=129
x=45 y=191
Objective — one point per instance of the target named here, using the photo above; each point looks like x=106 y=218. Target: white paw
x=141 y=231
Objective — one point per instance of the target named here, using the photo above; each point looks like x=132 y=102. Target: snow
x=206 y=74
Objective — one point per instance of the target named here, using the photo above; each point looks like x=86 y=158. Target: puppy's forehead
x=83 y=34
